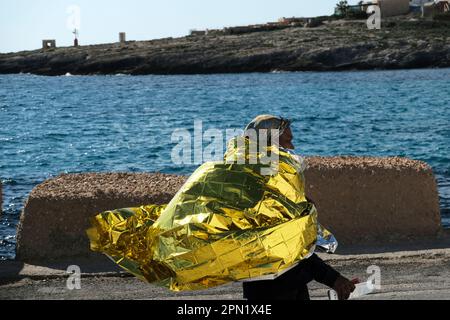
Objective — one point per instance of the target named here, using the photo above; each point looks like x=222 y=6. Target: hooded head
x=272 y=125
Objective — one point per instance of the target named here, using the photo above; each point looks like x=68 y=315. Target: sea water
x=53 y=125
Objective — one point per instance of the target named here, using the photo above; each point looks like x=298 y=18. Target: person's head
x=270 y=122
x=286 y=139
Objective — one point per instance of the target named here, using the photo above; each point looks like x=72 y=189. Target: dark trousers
x=293 y=284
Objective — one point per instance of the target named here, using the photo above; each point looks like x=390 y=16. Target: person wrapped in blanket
x=245 y=218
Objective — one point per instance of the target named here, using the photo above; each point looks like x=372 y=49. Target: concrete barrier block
x=361 y=200
x=364 y=199
x=57 y=213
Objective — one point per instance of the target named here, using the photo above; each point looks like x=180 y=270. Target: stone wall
x=361 y=200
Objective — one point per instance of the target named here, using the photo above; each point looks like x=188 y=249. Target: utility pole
x=75 y=41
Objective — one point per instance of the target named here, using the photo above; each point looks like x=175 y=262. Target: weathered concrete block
x=362 y=199
x=359 y=199
x=56 y=215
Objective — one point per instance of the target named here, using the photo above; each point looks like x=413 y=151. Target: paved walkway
x=411 y=274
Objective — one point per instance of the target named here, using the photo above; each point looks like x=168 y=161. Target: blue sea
x=53 y=125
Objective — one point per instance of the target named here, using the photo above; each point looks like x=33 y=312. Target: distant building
x=416 y=6
x=292 y=21
x=419 y=2
x=429 y=10
x=48 y=44
x=122 y=37
x=355 y=9
x=443 y=6
x=194 y=32
x=391 y=8
x=388 y=8
x=282 y=23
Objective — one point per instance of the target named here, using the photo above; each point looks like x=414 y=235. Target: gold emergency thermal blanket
x=228 y=222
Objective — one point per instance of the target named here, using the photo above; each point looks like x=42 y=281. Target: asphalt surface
x=411 y=274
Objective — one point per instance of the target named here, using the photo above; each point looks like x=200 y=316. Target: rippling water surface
x=51 y=125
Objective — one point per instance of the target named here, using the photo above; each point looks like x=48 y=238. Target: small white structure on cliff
x=122 y=37
x=48 y=44
x=195 y=32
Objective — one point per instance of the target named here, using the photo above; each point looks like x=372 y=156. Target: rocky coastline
x=333 y=45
